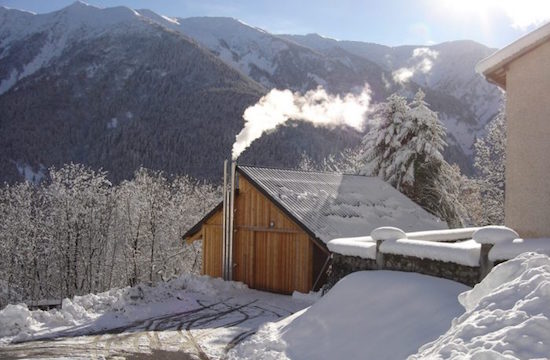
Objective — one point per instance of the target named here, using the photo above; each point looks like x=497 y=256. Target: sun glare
x=522 y=13
x=467 y=7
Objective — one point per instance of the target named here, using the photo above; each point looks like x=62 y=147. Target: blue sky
x=391 y=22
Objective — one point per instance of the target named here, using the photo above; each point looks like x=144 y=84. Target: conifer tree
x=490 y=159
x=405 y=149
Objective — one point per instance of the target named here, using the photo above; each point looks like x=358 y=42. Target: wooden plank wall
x=212 y=246
x=276 y=258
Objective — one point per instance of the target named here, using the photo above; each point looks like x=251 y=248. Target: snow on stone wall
x=462 y=252
x=461 y=246
x=455 y=254
x=363 y=247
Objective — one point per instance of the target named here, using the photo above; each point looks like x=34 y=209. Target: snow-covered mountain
x=30 y=42
x=99 y=65
x=273 y=61
x=446 y=69
x=111 y=89
x=465 y=101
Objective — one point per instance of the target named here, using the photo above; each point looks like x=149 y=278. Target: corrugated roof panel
x=335 y=205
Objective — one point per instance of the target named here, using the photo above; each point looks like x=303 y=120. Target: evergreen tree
x=490 y=159
x=385 y=138
x=404 y=149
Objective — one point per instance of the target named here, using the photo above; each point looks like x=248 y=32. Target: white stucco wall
x=527 y=204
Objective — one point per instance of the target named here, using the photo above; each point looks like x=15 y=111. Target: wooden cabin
x=284 y=218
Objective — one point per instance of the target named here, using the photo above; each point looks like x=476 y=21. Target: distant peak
x=461 y=43
x=81 y=10
x=79 y=5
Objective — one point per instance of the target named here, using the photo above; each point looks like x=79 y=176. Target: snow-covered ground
x=111 y=309
x=367 y=315
x=507 y=315
x=195 y=315
x=389 y=315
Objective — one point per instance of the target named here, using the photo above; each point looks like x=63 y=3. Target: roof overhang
x=316 y=239
x=285 y=211
x=494 y=67
x=196 y=228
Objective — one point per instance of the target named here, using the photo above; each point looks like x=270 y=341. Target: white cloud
x=522 y=14
x=526 y=13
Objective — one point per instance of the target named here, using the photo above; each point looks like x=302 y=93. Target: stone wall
x=343 y=265
x=467 y=275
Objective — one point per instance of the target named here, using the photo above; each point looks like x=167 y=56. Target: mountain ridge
x=110 y=43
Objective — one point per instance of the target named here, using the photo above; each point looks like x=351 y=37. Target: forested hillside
x=118 y=88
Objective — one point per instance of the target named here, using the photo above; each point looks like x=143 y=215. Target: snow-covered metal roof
x=333 y=205
x=493 y=66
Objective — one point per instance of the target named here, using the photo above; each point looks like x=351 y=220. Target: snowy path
x=208 y=331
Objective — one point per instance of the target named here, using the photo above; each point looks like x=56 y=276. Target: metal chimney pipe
x=224 y=222
x=231 y=221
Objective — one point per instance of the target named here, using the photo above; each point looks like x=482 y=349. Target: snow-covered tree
x=348 y=161
x=153 y=215
x=76 y=233
x=142 y=205
x=306 y=163
x=79 y=201
x=490 y=159
x=384 y=140
x=23 y=264
x=454 y=197
x=404 y=148
x=406 y=142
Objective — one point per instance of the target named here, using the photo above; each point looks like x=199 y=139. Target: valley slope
x=118 y=88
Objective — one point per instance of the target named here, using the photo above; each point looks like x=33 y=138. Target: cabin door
x=273 y=261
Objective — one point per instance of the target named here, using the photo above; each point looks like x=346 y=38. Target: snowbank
x=15 y=319
x=507 y=315
x=310 y=297
x=368 y=314
x=462 y=252
x=112 y=308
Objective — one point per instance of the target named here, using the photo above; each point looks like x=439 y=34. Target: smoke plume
x=315 y=106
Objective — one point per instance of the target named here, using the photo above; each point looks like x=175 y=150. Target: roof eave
x=281 y=207
x=494 y=67
x=193 y=230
